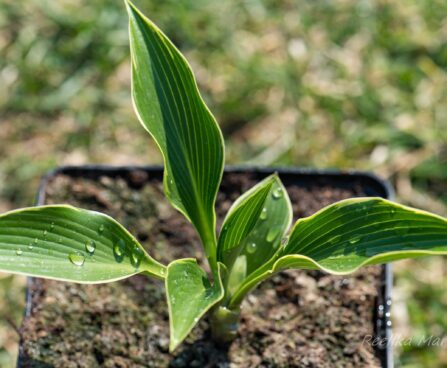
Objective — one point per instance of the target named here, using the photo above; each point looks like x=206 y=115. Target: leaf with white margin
x=71 y=244
x=190 y=295
x=341 y=238
x=169 y=106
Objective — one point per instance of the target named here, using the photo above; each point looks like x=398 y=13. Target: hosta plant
x=255 y=241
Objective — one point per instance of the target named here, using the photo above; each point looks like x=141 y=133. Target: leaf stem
x=224 y=324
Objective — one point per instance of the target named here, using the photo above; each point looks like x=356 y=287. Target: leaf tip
x=173 y=344
x=128 y=4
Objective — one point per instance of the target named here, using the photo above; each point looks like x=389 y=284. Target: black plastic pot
x=370 y=183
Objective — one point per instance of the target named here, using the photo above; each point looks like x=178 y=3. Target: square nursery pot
x=296 y=319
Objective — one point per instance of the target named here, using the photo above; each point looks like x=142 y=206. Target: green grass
x=347 y=84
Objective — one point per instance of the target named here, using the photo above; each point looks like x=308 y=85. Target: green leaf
x=190 y=295
x=353 y=233
x=171 y=109
x=237 y=275
x=265 y=238
x=71 y=244
x=241 y=219
x=255 y=225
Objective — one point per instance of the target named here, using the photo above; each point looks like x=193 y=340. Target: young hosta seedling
x=70 y=244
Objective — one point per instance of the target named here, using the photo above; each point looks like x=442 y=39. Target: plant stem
x=224 y=324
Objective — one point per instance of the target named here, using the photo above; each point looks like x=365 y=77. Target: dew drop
x=35 y=241
x=392 y=212
x=77 y=258
x=52 y=226
x=19 y=252
x=118 y=249
x=251 y=248
x=196 y=319
x=277 y=193
x=30 y=246
x=45 y=233
x=335 y=239
x=263 y=214
x=273 y=233
x=355 y=239
x=162 y=271
x=90 y=246
x=101 y=228
x=137 y=256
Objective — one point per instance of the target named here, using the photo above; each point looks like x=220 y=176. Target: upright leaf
x=352 y=233
x=171 y=109
x=255 y=225
x=190 y=295
x=71 y=244
x=240 y=220
x=269 y=231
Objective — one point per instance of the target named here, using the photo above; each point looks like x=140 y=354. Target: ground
x=346 y=83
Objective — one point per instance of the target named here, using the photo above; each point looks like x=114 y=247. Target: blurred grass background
x=329 y=84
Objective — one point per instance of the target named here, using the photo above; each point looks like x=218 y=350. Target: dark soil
x=297 y=319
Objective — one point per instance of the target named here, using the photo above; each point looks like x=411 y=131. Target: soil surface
x=297 y=319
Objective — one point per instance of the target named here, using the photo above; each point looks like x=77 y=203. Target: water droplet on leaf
x=90 y=246
x=30 y=246
x=355 y=239
x=251 y=248
x=277 y=193
x=273 y=233
x=19 y=252
x=335 y=239
x=52 y=226
x=263 y=214
x=45 y=232
x=119 y=250
x=77 y=258
x=137 y=256
x=101 y=228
